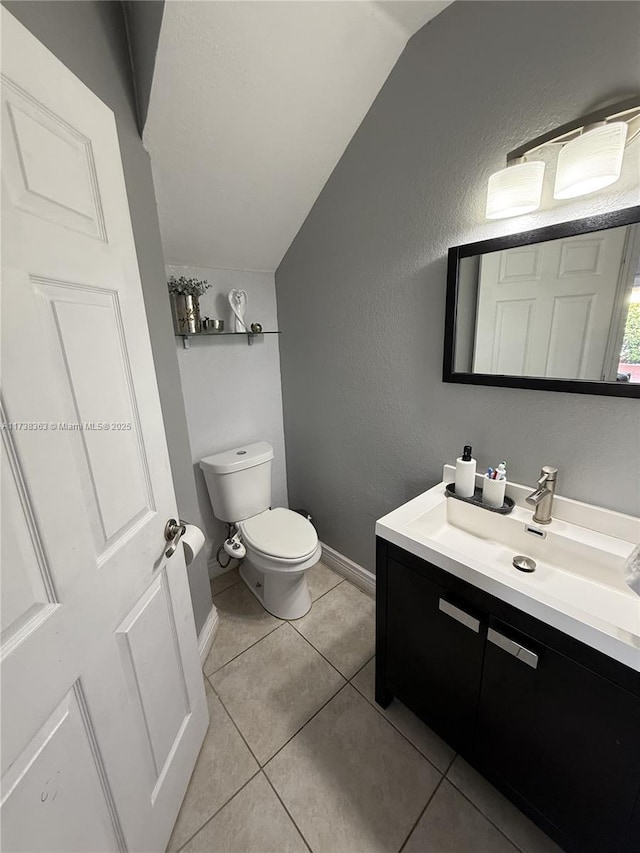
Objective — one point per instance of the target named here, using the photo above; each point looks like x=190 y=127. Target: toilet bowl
x=281 y=545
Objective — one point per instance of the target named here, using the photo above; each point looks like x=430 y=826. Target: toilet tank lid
x=238 y=458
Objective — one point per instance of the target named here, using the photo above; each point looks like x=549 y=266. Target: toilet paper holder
x=173 y=532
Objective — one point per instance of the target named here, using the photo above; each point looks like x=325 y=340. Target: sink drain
x=524 y=564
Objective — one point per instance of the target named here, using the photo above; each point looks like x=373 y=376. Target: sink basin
x=578 y=585
x=572 y=563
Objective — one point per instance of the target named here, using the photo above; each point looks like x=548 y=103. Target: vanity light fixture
x=591 y=161
x=516 y=189
x=590 y=158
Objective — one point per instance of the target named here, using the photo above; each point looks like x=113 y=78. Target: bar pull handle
x=513 y=648
x=459 y=615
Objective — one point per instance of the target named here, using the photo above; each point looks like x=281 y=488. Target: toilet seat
x=280 y=533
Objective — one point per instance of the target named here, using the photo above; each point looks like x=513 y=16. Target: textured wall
x=144 y=21
x=368 y=421
x=231 y=391
x=90 y=38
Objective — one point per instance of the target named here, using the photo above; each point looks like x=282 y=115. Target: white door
x=103 y=707
x=546 y=309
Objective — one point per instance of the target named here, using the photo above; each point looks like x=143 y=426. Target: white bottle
x=465 y=474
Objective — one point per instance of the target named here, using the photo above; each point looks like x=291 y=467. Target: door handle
x=513 y=648
x=459 y=615
x=173 y=533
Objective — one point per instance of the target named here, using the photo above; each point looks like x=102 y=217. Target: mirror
x=555 y=309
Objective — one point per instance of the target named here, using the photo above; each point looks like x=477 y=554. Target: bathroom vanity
x=533 y=678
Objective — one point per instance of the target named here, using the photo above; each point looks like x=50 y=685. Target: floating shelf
x=186 y=338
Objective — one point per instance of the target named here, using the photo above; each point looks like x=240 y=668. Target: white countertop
x=597 y=609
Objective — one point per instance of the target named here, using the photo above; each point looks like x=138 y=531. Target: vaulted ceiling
x=252 y=105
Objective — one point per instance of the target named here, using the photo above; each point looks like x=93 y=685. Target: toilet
x=280 y=544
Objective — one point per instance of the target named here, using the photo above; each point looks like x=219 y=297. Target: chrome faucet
x=542 y=497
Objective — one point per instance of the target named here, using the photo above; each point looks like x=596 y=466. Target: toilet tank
x=239 y=481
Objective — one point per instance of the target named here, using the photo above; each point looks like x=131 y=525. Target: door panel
x=513 y=332
x=85 y=326
x=149 y=636
x=521 y=264
x=27 y=593
x=61 y=770
x=35 y=137
x=102 y=692
x=570 y=335
x=583 y=258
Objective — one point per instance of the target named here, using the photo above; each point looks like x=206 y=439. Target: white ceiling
x=252 y=106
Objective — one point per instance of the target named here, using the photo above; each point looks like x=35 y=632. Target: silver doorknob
x=173 y=532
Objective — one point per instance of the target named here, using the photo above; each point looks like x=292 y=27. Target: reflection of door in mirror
x=556 y=309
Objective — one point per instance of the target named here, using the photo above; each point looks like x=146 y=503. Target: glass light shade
x=591 y=161
x=515 y=190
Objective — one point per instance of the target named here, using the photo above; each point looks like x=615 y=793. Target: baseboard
x=214 y=568
x=358 y=575
x=208 y=634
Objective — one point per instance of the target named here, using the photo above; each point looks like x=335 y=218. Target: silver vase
x=186 y=314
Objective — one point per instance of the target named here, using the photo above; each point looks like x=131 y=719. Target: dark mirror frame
x=617 y=218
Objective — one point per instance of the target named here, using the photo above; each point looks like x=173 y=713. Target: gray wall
x=90 y=38
x=144 y=21
x=232 y=391
x=368 y=421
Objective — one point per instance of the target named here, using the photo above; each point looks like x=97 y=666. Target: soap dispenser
x=465 y=473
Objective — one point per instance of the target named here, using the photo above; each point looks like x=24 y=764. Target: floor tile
x=223 y=767
x=254 y=821
x=321 y=579
x=243 y=621
x=341 y=625
x=222 y=582
x=452 y=825
x=420 y=735
x=274 y=688
x=515 y=825
x=350 y=781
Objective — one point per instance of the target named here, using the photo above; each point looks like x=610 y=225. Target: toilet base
x=283 y=594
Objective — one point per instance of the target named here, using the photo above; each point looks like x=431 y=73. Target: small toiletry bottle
x=465 y=474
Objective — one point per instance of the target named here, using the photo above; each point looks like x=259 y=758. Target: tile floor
x=299 y=758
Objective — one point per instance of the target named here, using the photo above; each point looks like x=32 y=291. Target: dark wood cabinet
x=633 y=833
x=430 y=632
x=561 y=736
x=552 y=723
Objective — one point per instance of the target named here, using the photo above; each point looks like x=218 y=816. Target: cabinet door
x=562 y=737
x=434 y=654
x=633 y=833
